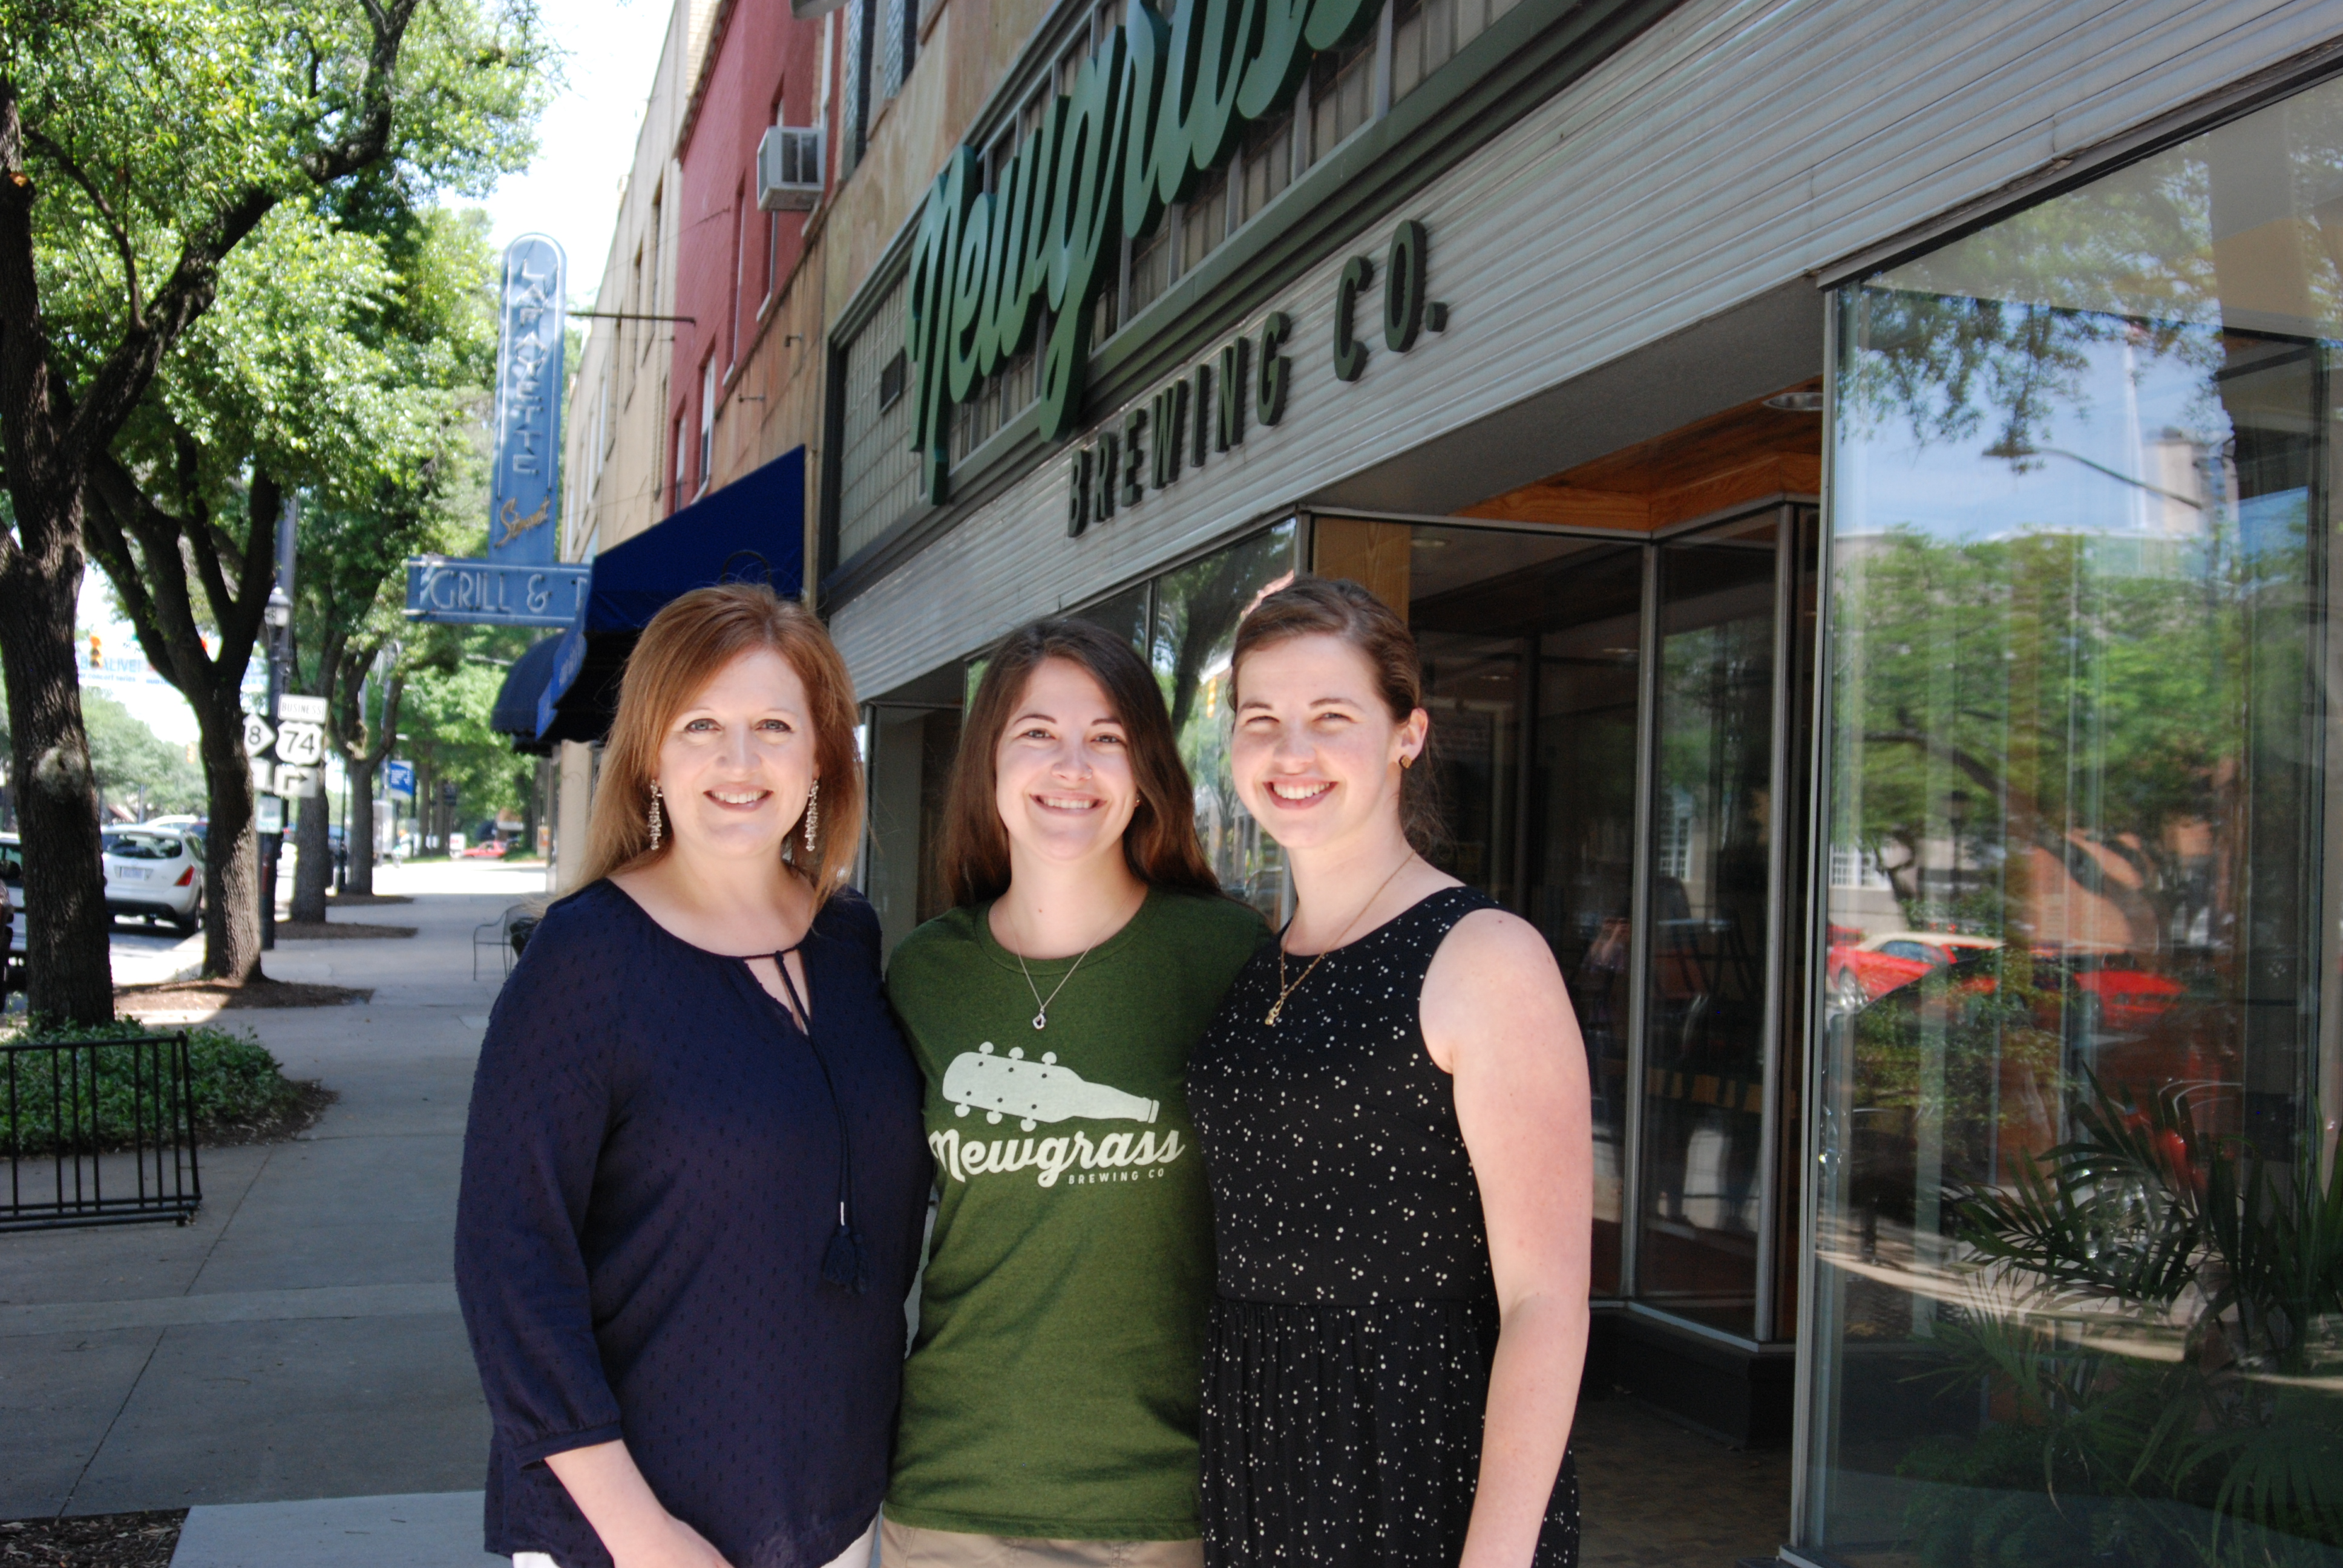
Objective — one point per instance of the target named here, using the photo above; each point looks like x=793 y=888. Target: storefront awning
x=751 y=531
x=515 y=714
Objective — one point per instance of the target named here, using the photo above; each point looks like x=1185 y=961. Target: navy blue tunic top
x=652 y=1177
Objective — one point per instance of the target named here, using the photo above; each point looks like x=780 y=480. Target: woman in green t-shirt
x=1050 y=1402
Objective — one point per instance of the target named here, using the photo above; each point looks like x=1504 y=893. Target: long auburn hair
x=682 y=649
x=1339 y=608
x=1159 y=843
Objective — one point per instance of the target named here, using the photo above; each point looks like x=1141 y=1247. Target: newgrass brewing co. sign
x=1156 y=107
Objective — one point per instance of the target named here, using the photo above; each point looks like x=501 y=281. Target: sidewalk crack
x=196 y=1278
x=111 y=1422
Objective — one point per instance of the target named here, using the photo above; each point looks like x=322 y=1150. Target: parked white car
x=155 y=873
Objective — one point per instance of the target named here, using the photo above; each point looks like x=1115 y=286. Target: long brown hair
x=682 y=649
x=1159 y=844
x=1337 y=606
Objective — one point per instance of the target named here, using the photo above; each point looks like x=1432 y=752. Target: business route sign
x=444 y=589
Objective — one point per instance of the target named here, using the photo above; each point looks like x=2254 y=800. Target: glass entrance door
x=1710 y=988
x=1611 y=735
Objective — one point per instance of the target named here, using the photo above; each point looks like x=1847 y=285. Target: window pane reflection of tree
x=1704 y=1063
x=1197 y=610
x=2081 y=714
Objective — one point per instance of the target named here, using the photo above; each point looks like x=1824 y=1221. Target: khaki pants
x=909 y=1546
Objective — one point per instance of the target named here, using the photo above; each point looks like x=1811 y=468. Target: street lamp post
x=278 y=614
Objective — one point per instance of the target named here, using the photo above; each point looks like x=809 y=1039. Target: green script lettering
x=1158 y=103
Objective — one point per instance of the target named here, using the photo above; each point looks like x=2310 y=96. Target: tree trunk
x=313 y=869
x=232 y=850
x=68 y=967
x=361 y=828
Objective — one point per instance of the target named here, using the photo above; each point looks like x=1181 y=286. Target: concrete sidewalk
x=299 y=1341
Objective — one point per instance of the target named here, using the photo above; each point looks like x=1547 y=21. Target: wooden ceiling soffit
x=1740 y=454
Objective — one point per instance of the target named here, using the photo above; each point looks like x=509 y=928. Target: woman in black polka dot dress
x=1394 y=1112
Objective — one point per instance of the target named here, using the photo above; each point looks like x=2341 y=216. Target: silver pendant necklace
x=1042 y=1014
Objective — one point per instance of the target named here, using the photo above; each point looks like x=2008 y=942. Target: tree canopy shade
x=143 y=144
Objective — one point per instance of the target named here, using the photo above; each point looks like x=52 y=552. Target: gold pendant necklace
x=1277 y=1008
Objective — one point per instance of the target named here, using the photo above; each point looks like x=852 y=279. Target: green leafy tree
x=451 y=692
x=160 y=161
x=133 y=763
x=436 y=337
x=143 y=145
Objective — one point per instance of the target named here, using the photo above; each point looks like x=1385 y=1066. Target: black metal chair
x=499 y=934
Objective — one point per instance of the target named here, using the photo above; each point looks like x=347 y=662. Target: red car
x=1863 y=972
x=2118 y=991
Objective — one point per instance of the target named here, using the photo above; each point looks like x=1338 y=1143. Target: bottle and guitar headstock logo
x=1035 y=1091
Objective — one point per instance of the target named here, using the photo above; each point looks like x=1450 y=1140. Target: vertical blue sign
x=524 y=526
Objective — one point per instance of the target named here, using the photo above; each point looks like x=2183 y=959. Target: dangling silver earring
x=659 y=820
x=813 y=814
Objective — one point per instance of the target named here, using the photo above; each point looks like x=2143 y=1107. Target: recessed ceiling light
x=1797 y=402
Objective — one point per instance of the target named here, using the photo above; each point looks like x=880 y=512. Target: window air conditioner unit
x=788 y=168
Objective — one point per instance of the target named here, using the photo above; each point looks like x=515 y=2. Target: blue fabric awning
x=515 y=713
x=751 y=531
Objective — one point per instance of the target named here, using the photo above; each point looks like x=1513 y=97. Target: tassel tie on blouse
x=843 y=1262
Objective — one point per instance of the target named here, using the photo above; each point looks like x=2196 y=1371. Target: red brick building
x=734 y=259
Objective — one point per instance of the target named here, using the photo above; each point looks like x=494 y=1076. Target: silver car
x=155 y=873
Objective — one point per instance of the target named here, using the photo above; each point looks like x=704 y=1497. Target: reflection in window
x=1197 y=610
x=2081 y=724
x=1709 y=993
x=1531 y=646
x=1125 y=615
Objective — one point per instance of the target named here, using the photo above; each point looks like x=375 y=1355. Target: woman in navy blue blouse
x=694 y=1175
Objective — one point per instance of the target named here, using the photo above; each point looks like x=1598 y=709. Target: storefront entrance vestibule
x=1622 y=728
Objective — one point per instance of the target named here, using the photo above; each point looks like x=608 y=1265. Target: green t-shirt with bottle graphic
x=1051 y=1387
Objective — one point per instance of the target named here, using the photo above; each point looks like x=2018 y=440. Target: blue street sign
x=398 y=778
x=489 y=593
x=523 y=490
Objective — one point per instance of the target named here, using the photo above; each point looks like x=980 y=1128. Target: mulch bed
x=196 y=995
x=98 y=1540
x=335 y=932
x=352 y=900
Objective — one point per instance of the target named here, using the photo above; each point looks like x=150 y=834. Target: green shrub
x=236 y=1085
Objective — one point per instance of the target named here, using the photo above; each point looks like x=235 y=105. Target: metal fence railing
x=98 y=1133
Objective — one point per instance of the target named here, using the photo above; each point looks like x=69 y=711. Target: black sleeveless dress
x=1347 y=1364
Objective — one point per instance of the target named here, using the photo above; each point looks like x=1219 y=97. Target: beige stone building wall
x=614 y=465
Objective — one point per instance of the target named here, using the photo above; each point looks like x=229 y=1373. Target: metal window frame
x=1807 y=1498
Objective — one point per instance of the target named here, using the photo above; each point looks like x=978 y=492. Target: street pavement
x=291 y=1366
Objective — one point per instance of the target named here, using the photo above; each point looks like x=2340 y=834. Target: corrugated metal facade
x=1736 y=146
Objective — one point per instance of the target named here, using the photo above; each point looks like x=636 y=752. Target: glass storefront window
x=1197 y=609
x=1124 y=614
x=2079 y=1270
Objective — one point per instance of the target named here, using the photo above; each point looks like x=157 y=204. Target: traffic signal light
x=96 y=653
